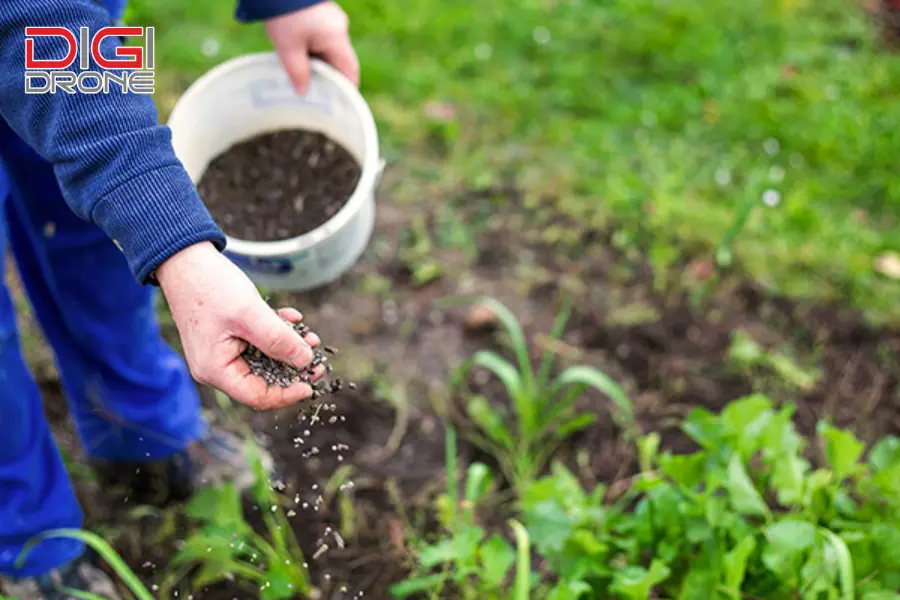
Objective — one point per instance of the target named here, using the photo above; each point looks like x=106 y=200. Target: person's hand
x=218 y=311
x=321 y=30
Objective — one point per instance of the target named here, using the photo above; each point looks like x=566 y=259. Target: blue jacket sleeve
x=114 y=163
x=258 y=10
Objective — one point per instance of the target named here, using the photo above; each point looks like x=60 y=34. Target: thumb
x=296 y=62
x=275 y=338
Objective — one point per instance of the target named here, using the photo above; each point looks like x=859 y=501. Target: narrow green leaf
x=522 y=583
x=556 y=331
x=490 y=421
x=502 y=368
x=845 y=564
x=591 y=377
x=410 y=587
x=574 y=425
x=101 y=547
x=648 y=449
x=478 y=481
x=516 y=335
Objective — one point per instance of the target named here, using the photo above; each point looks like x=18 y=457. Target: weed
x=747 y=355
x=105 y=551
x=475 y=564
x=226 y=546
x=542 y=415
x=745 y=516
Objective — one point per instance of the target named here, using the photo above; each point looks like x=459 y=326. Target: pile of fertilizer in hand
x=276 y=372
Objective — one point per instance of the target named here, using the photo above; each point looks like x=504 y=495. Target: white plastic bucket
x=252 y=95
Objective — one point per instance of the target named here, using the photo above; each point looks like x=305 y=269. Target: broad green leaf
x=735 y=563
x=787 y=541
x=497 y=556
x=745 y=420
x=886 y=539
x=588 y=542
x=219 y=505
x=591 y=377
x=687 y=470
x=569 y=590
x=281 y=582
x=744 y=497
x=886 y=453
x=503 y=369
x=443 y=551
x=842 y=450
x=788 y=476
x=489 y=419
x=780 y=437
x=465 y=544
x=636 y=583
x=881 y=595
x=704 y=428
x=888 y=481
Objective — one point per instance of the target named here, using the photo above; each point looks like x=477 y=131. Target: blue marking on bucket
x=271 y=266
x=271 y=92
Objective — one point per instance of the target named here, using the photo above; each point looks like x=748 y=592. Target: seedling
x=225 y=545
x=475 y=564
x=105 y=551
x=542 y=415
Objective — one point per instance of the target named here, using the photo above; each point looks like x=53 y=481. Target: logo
x=130 y=70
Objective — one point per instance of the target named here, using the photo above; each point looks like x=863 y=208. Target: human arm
x=116 y=168
x=300 y=28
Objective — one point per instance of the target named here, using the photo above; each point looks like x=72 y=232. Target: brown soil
x=278 y=185
x=668 y=350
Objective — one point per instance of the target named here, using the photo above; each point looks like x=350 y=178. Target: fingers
x=294 y=316
x=340 y=54
x=267 y=331
x=296 y=62
x=241 y=385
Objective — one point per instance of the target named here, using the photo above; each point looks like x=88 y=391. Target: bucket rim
x=371 y=167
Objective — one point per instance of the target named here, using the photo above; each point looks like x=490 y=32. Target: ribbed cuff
x=259 y=10
x=155 y=216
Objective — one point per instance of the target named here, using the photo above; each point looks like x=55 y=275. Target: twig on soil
x=557 y=347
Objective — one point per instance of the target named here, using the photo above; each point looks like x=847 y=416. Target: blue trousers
x=130 y=395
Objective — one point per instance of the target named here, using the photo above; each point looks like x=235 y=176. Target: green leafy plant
x=225 y=545
x=541 y=414
x=475 y=564
x=101 y=547
x=747 y=355
x=746 y=516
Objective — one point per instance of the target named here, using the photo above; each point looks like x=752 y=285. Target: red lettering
x=136 y=53
x=33 y=63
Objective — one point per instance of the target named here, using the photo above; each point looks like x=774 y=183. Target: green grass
x=631 y=113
